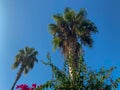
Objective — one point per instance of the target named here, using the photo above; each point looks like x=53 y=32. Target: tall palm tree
x=70 y=32
x=25 y=59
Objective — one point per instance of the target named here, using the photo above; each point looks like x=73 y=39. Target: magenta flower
x=33 y=85
x=26 y=87
x=23 y=87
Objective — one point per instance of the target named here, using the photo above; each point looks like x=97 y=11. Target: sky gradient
x=25 y=23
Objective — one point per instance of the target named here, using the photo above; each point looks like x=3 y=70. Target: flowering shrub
x=26 y=87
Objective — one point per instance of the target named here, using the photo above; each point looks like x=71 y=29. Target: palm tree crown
x=72 y=27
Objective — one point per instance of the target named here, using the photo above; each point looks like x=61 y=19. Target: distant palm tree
x=25 y=59
x=70 y=32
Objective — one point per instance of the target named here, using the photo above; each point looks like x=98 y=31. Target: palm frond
x=88 y=26
x=81 y=14
x=15 y=65
x=69 y=15
x=91 y=26
x=34 y=53
x=29 y=50
x=26 y=70
x=86 y=40
x=53 y=29
x=56 y=42
x=58 y=17
x=21 y=51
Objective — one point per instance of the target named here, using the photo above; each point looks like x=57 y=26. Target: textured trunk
x=18 y=76
x=70 y=72
x=72 y=57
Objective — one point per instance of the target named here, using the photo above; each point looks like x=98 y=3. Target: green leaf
x=69 y=15
x=56 y=42
x=58 y=17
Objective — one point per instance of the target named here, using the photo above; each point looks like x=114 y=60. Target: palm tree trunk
x=18 y=76
x=73 y=56
x=72 y=67
x=70 y=70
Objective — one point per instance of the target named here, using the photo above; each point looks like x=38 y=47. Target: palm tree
x=70 y=32
x=25 y=59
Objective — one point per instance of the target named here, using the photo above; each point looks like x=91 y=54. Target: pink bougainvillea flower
x=26 y=87
x=33 y=85
x=23 y=87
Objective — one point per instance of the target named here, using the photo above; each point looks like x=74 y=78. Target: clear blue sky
x=25 y=23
